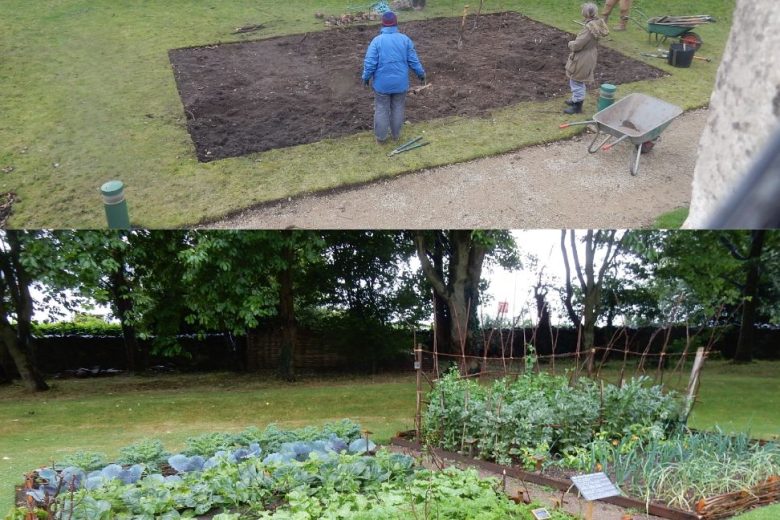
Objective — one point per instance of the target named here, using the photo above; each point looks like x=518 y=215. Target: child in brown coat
x=584 y=54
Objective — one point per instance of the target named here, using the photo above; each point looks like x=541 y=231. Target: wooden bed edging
x=543 y=480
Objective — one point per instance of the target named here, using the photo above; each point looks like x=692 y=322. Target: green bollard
x=606 y=96
x=116 y=205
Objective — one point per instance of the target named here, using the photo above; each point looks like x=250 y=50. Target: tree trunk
x=589 y=328
x=123 y=306
x=744 y=353
x=460 y=291
x=31 y=378
x=542 y=339
x=7 y=365
x=567 y=300
x=287 y=310
x=591 y=283
x=18 y=341
x=743 y=109
x=441 y=310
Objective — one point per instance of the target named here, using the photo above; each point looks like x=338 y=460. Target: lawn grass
x=89 y=96
x=672 y=220
x=764 y=513
x=107 y=414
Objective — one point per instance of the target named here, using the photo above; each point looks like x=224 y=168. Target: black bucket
x=681 y=55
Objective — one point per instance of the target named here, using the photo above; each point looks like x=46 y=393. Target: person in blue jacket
x=388 y=60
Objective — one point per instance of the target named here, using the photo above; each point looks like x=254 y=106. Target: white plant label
x=595 y=486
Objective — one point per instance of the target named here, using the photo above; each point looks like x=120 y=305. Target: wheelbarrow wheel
x=692 y=39
x=647 y=146
x=635 y=159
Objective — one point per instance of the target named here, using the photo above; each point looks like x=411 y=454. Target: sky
x=516 y=287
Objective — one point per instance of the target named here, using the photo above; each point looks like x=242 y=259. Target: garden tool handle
x=567 y=125
x=606 y=147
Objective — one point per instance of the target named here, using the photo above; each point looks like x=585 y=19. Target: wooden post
x=589 y=510
x=693 y=384
x=435 y=334
x=418 y=412
x=479 y=11
x=462 y=26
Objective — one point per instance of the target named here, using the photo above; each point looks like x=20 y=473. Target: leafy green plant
x=208 y=444
x=511 y=421
x=324 y=484
x=86 y=460
x=148 y=451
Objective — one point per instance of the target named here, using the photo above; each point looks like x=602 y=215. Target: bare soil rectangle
x=254 y=96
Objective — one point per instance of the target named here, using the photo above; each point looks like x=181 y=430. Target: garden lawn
x=764 y=513
x=107 y=414
x=672 y=220
x=89 y=96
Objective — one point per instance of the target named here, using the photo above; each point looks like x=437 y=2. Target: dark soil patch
x=254 y=96
x=7 y=201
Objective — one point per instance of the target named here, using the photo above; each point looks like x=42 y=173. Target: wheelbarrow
x=637 y=118
x=664 y=27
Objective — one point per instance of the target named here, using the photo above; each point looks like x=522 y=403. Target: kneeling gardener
x=388 y=60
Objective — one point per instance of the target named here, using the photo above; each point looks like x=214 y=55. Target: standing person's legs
x=397 y=108
x=625 y=7
x=608 y=9
x=381 y=116
x=578 y=90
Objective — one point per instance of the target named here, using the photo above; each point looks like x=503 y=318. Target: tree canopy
x=362 y=283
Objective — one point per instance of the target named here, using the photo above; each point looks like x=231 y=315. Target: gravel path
x=557 y=185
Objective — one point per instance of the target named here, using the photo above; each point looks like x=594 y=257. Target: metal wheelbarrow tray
x=637 y=118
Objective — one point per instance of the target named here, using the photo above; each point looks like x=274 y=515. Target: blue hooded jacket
x=388 y=60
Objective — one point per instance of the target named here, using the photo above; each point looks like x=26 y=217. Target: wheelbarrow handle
x=567 y=125
x=610 y=145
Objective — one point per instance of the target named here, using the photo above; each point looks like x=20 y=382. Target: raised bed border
x=543 y=480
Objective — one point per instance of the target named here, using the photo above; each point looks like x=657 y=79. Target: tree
x=452 y=262
x=591 y=279
x=745 y=99
x=97 y=265
x=752 y=259
x=731 y=274
x=364 y=291
x=16 y=305
x=236 y=279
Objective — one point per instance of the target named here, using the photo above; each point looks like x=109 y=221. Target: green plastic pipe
x=114 y=201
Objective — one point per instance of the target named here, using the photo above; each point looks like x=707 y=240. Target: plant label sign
x=541 y=514
x=595 y=486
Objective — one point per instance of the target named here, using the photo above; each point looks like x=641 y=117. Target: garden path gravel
x=554 y=185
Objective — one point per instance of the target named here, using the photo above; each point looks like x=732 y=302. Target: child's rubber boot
x=575 y=108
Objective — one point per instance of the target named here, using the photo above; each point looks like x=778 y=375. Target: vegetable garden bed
x=309 y=473
x=258 y=95
x=632 y=433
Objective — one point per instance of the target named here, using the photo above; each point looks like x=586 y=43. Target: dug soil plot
x=253 y=96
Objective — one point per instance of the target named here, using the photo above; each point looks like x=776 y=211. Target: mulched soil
x=253 y=96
